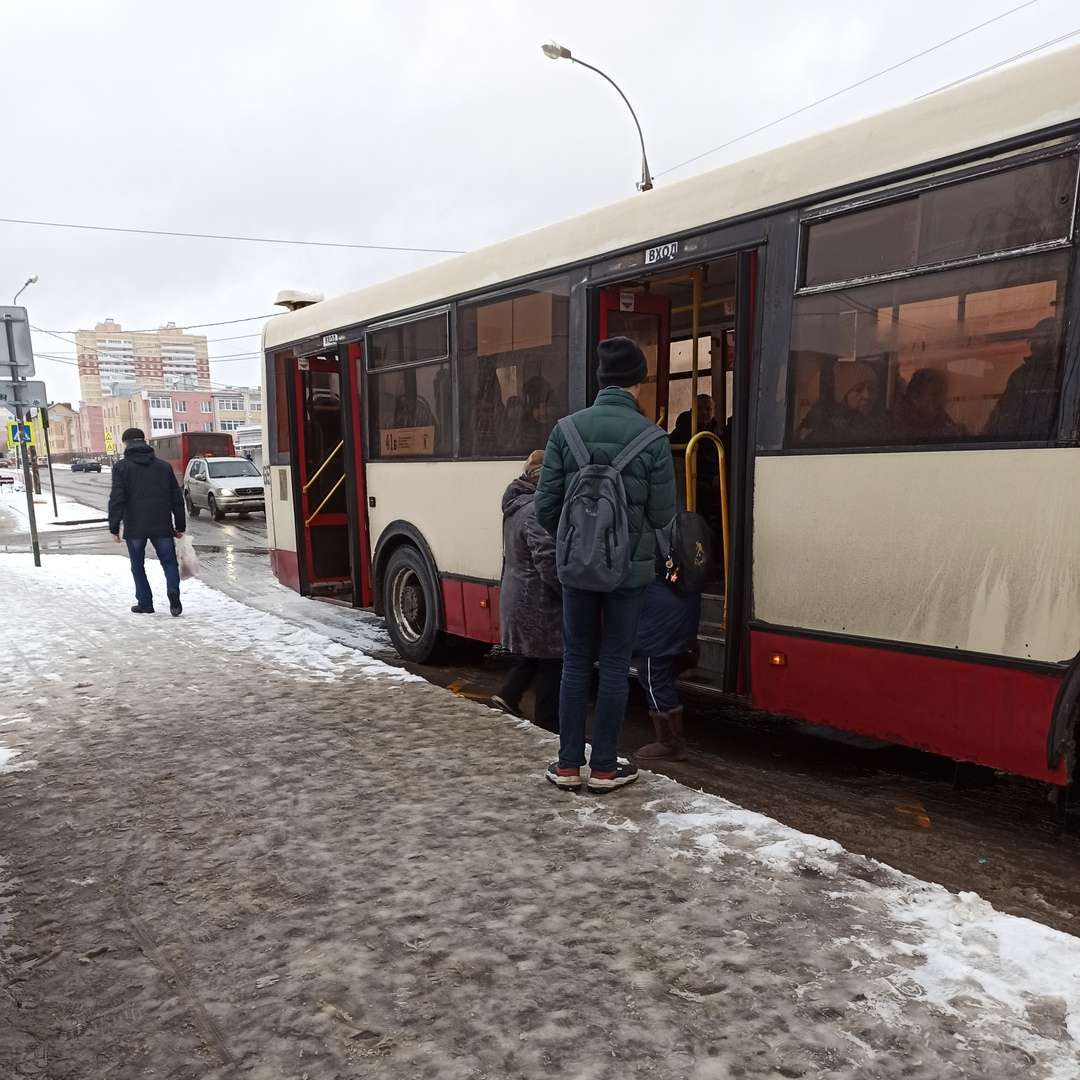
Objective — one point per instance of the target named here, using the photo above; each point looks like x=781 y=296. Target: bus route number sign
x=661 y=253
x=407 y=442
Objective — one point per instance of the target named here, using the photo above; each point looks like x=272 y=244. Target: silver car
x=224 y=485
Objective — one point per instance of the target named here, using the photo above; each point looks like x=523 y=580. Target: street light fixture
x=554 y=51
x=29 y=281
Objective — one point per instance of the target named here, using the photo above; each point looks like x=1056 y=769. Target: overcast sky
x=410 y=123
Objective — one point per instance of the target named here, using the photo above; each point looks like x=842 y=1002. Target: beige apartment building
x=114 y=362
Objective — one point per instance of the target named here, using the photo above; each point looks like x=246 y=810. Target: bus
x=885 y=316
x=180 y=448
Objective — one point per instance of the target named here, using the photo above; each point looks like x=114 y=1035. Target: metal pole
x=22 y=442
x=48 y=456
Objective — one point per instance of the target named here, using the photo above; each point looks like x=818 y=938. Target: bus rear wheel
x=412 y=606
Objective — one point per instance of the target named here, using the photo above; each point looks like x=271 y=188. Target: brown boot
x=670 y=744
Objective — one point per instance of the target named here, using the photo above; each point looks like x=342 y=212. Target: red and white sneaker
x=624 y=773
x=567 y=779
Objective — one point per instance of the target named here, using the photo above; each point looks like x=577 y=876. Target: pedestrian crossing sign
x=19 y=433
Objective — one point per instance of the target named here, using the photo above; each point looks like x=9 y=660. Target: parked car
x=85 y=465
x=224 y=485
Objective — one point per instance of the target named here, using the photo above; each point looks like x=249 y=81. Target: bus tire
x=412 y=606
x=193 y=510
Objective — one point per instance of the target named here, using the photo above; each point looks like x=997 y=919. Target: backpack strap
x=574 y=441
x=631 y=451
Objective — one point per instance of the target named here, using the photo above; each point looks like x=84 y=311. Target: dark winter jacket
x=145 y=496
x=530 y=597
x=669 y=621
x=609 y=424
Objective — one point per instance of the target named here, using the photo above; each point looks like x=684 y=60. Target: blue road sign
x=16 y=436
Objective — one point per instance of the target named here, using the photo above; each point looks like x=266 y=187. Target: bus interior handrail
x=691 y=498
x=318 y=471
x=329 y=496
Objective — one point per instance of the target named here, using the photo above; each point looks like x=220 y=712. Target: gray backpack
x=592 y=544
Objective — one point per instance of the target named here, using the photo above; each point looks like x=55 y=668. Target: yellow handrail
x=691 y=498
x=341 y=480
x=318 y=471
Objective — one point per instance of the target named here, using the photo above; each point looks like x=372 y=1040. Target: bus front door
x=645 y=318
x=322 y=507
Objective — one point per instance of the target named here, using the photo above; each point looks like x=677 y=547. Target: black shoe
x=505 y=705
x=175 y=607
x=140 y=610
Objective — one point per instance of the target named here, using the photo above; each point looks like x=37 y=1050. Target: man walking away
x=599 y=622
x=147 y=499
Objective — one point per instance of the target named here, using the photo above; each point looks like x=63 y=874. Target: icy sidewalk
x=68 y=511
x=237 y=848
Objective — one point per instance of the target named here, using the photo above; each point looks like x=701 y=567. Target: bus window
x=513 y=353
x=961 y=356
x=1004 y=211
x=409 y=388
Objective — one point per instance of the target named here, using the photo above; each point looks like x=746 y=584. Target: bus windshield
x=237 y=467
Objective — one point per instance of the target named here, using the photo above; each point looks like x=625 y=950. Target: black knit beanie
x=622 y=363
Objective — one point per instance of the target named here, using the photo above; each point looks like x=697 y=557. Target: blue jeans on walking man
x=165 y=546
x=604 y=625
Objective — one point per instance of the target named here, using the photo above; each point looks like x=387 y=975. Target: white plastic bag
x=186 y=557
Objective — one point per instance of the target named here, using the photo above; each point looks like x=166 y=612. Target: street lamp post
x=554 y=51
x=32 y=279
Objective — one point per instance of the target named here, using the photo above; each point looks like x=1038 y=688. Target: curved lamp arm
x=557 y=52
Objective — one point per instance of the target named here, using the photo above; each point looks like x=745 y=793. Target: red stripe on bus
x=286 y=567
x=471 y=609
x=995 y=716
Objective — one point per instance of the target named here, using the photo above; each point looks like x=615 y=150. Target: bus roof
x=1031 y=96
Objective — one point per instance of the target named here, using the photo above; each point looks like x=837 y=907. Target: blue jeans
x=165 y=547
x=583 y=641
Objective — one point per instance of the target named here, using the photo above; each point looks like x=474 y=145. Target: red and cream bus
x=885 y=313
x=180 y=448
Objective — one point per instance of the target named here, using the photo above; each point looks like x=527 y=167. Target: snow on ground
x=13 y=502
x=706 y=915
x=218 y=622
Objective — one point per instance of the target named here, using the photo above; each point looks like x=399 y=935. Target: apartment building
x=114 y=362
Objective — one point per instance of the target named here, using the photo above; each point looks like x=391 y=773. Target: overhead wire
x=854 y=85
x=220 y=236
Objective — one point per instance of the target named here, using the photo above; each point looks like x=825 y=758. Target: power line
x=243 y=239
x=185 y=326
x=861 y=82
x=1002 y=63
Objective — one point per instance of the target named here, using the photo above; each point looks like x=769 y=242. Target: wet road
x=92 y=489
x=966 y=828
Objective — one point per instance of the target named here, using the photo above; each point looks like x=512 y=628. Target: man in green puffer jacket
x=604 y=624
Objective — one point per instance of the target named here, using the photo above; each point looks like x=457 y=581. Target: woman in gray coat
x=530 y=603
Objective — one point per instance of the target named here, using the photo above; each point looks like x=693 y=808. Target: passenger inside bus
x=1028 y=403
x=536 y=420
x=854 y=414
x=411 y=410
x=921 y=412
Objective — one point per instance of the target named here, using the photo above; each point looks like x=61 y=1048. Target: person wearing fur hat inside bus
x=856 y=417
x=530 y=603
